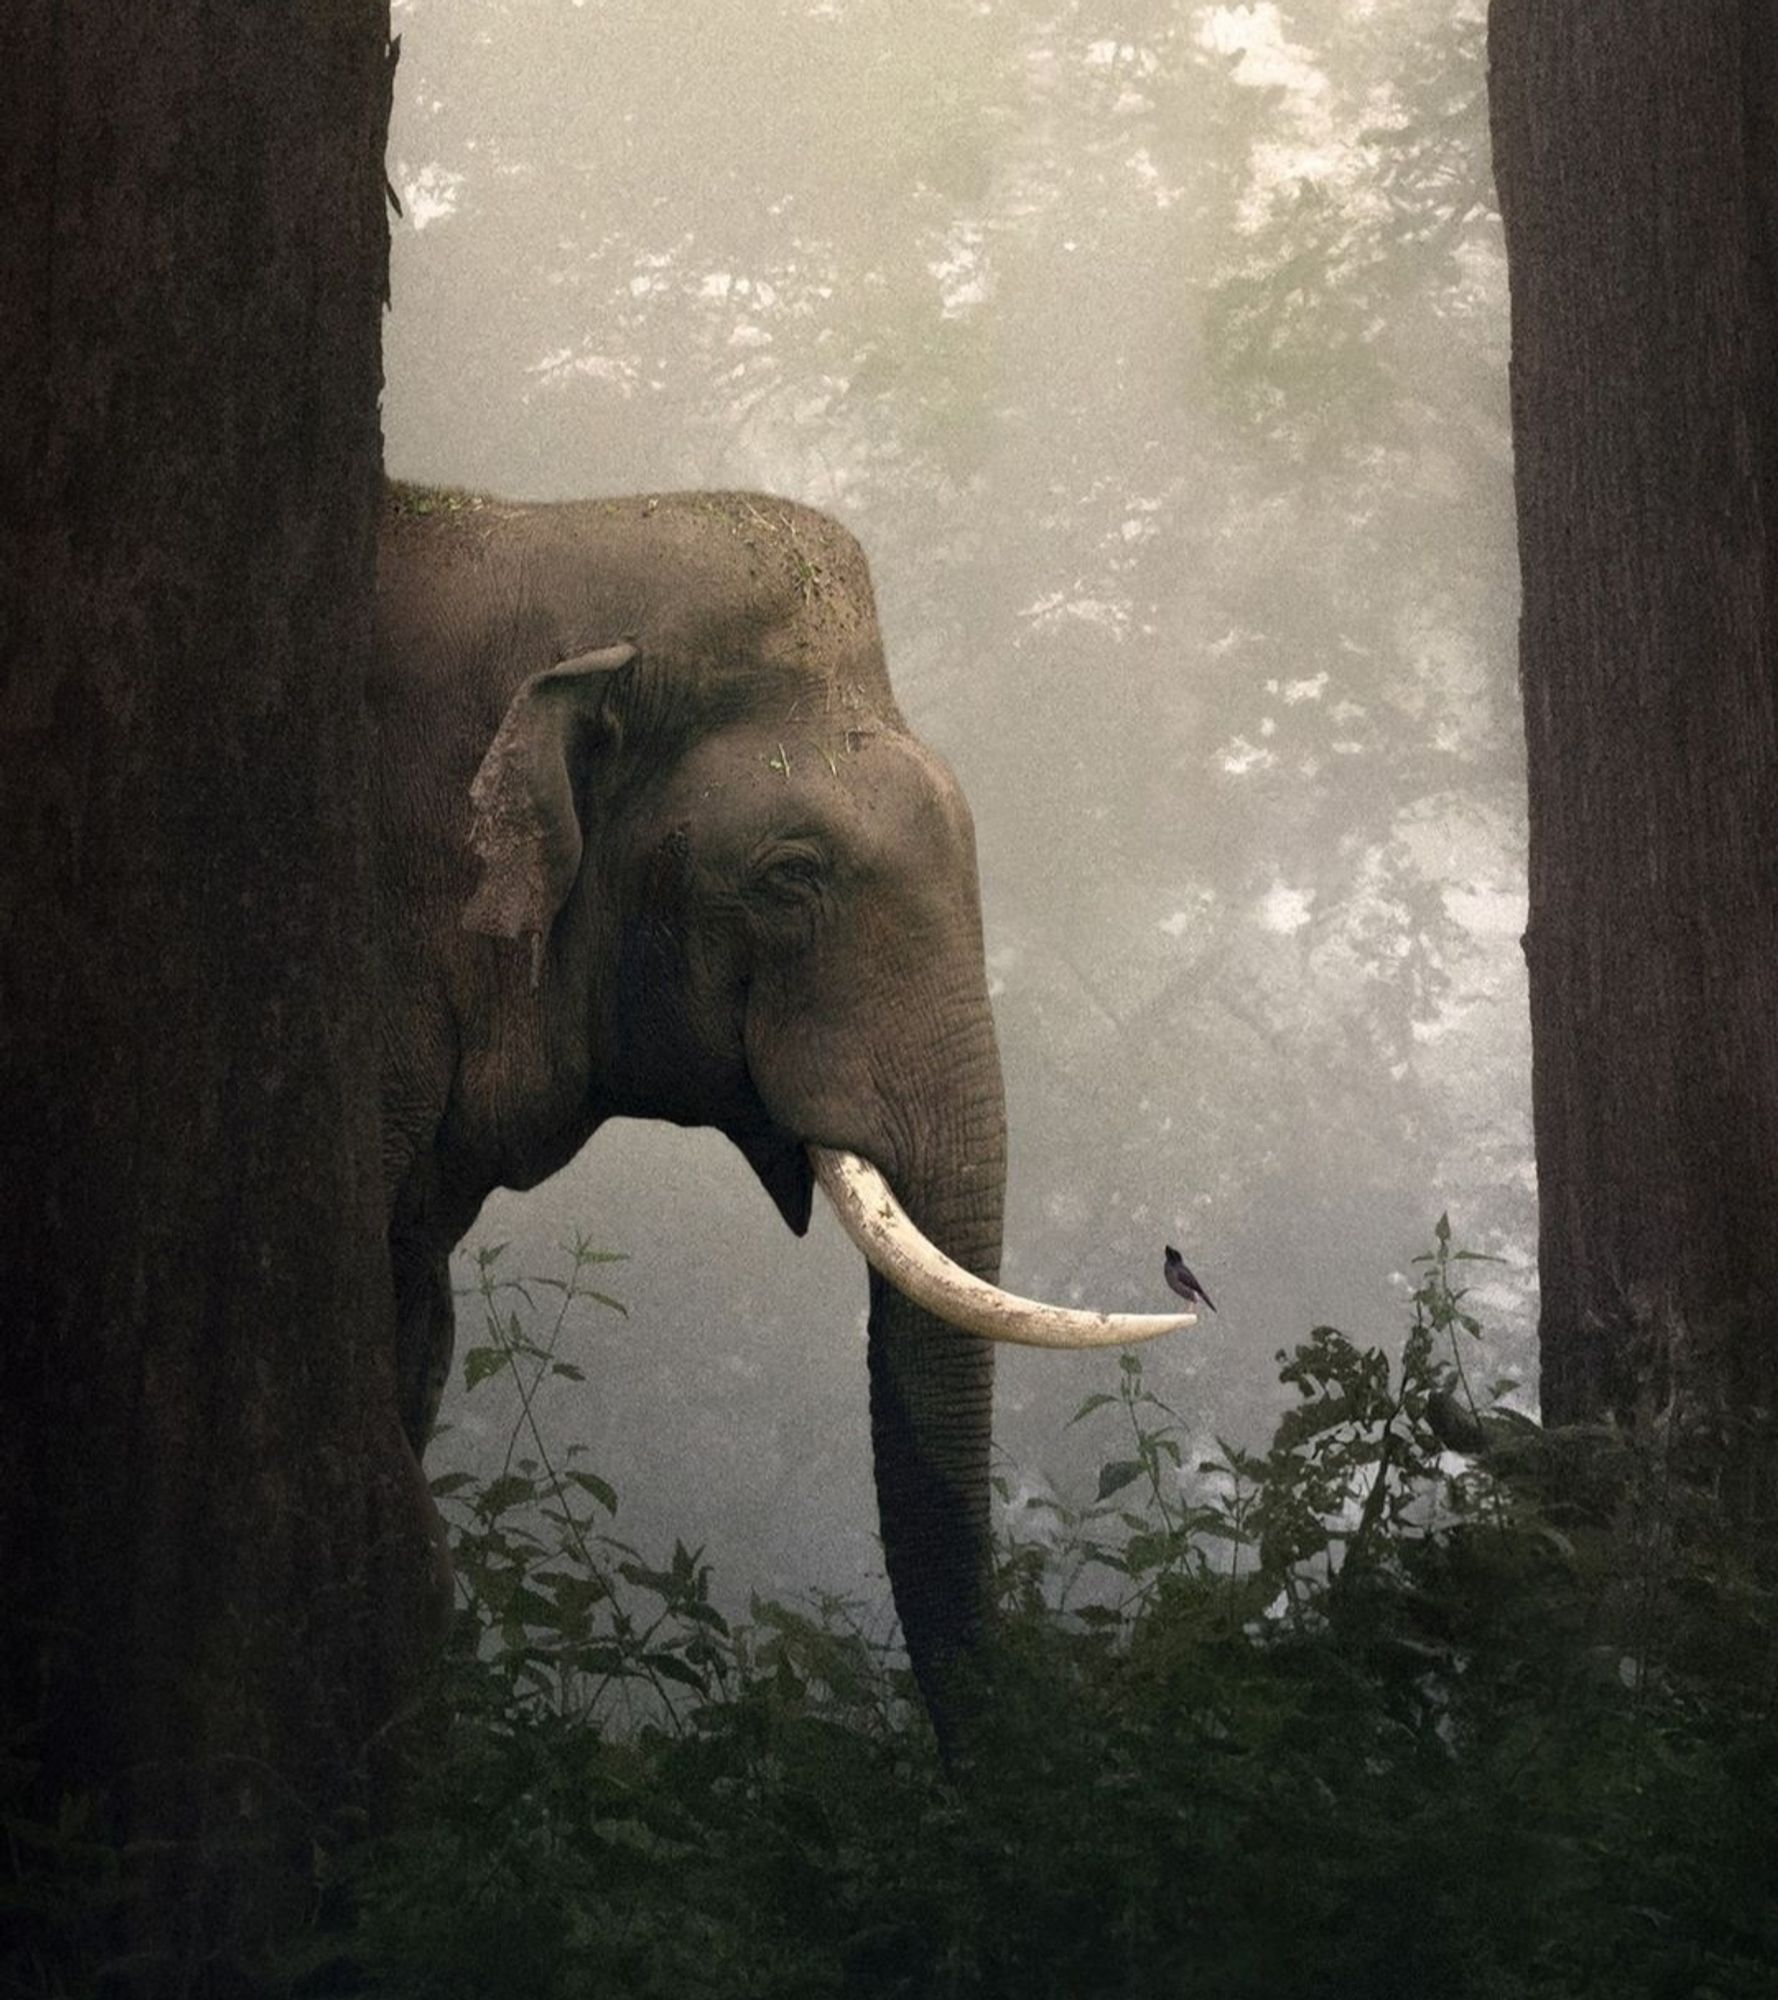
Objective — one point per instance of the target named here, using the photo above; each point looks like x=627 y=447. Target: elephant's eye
x=789 y=873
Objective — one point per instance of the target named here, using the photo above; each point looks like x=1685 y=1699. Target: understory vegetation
x=1358 y=1715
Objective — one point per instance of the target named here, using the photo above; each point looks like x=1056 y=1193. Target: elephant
x=654 y=840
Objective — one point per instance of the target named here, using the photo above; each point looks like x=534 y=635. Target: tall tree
x=215 y=1554
x=1634 y=149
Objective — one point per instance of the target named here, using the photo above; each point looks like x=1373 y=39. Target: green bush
x=1356 y=1716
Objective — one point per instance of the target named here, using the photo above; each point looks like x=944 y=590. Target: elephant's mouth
x=921 y=1272
x=783 y=1168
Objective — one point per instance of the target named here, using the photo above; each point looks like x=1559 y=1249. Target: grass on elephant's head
x=1351 y=1715
x=406 y=496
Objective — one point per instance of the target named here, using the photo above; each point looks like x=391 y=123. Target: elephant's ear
x=525 y=827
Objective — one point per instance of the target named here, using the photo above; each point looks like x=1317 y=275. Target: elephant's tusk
x=920 y=1271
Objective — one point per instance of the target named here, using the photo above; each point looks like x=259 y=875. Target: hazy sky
x=1157 y=355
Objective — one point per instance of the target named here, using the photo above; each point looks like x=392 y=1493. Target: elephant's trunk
x=931 y=1405
x=931 y=1409
x=933 y=1311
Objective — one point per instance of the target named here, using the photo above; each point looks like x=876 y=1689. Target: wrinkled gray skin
x=718 y=883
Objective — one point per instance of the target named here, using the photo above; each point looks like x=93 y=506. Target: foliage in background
x=1356 y=1714
x=1158 y=355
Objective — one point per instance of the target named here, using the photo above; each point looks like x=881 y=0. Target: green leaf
x=659 y=1583
x=671 y=1668
x=481 y=1362
x=572 y=1591
x=530 y=1607
x=1146 y=1551
x=603 y=1660
x=1092 y=1403
x=702 y=1614
x=500 y=1494
x=601 y=1490
x=1117 y=1474
x=567 y=1370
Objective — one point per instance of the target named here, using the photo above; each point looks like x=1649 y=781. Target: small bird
x=1180 y=1279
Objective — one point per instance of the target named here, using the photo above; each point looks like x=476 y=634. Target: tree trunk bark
x=215 y=1549
x=1634 y=150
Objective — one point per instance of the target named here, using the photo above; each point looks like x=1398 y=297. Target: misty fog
x=1156 y=354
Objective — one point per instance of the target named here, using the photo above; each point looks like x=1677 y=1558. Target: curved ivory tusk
x=920 y=1271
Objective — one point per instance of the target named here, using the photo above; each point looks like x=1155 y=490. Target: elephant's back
x=438 y=552
x=475 y=593
x=656 y=568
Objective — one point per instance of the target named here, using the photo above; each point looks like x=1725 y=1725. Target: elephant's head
x=705 y=819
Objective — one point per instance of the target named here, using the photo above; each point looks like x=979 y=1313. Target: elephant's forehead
x=877 y=786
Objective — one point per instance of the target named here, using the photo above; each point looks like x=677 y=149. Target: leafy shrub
x=1361 y=1715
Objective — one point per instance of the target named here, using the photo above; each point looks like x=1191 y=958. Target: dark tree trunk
x=1634 y=150
x=214 y=1549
